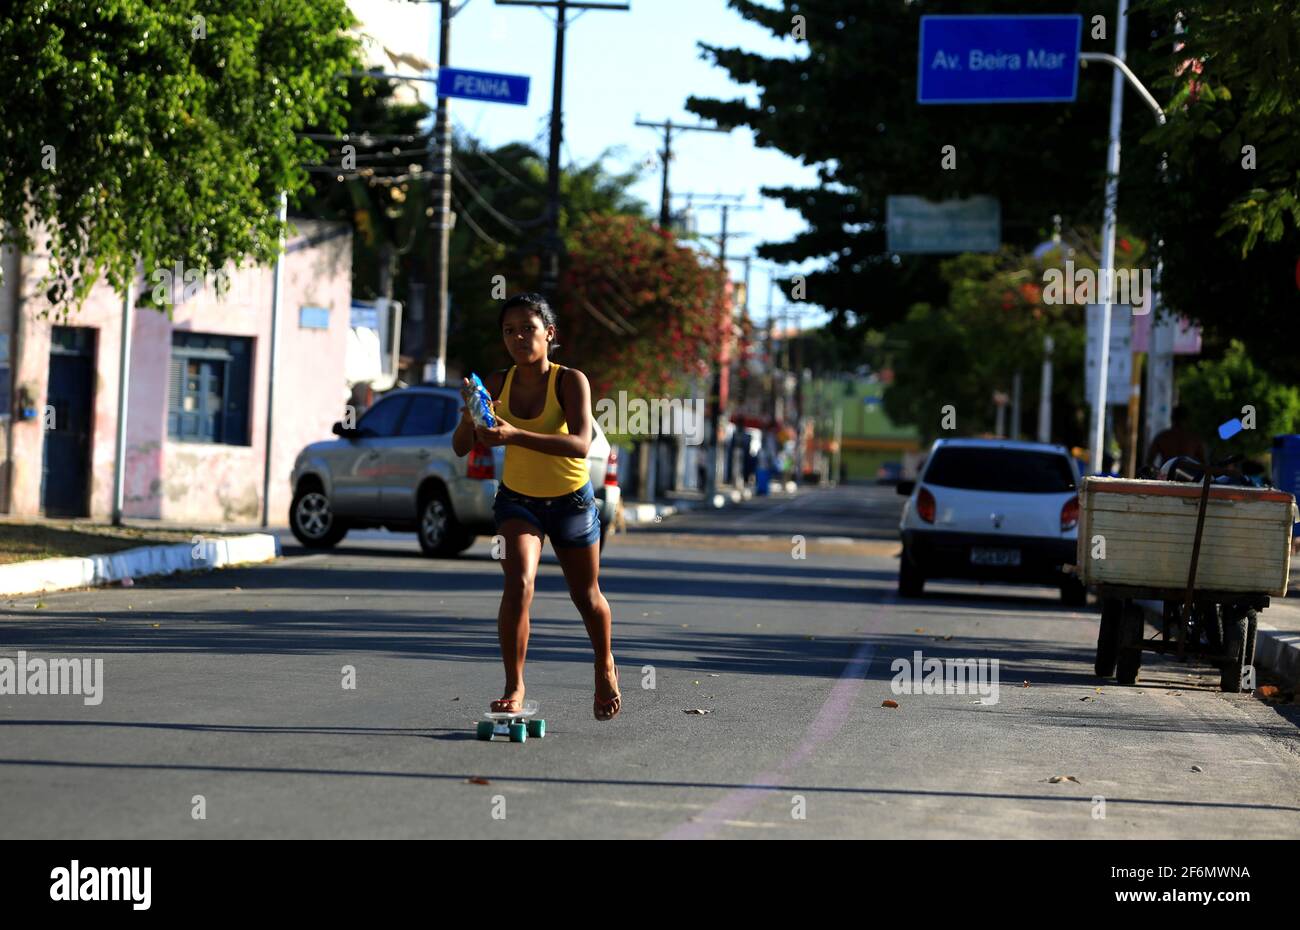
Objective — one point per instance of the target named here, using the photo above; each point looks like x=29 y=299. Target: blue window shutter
x=175 y=391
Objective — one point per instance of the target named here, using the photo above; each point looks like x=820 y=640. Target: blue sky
x=621 y=66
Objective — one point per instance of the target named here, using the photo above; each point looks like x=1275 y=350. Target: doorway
x=65 y=462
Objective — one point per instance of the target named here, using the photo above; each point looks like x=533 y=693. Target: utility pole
x=666 y=155
x=435 y=336
x=553 y=245
x=719 y=395
x=771 y=344
x=1106 y=272
x=277 y=300
x=123 y=385
x=745 y=308
x=1045 y=393
x=726 y=208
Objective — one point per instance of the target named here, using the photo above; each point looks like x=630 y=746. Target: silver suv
x=396 y=469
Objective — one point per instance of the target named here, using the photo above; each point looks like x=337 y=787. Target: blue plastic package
x=479 y=402
x=1230 y=429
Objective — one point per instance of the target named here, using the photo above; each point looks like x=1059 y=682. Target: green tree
x=1224 y=230
x=641 y=312
x=993 y=326
x=1214 y=391
x=499 y=197
x=1225 y=221
x=161 y=132
x=845 y=101
x=375 y=178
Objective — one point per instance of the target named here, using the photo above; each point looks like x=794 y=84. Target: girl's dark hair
x=533 y=303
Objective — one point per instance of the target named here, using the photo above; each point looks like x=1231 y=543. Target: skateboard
x=518 y=725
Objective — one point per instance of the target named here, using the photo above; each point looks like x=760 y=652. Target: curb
x=1279 y=651
x=640 y=514
x=1276 y=650
x=636 y=514
x=91 y=571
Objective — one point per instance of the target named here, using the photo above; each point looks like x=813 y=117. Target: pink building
x=197 y=400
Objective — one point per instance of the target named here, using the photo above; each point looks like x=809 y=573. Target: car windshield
x=1011 y=471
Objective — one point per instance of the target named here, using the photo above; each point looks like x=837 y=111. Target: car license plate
x=994 y=556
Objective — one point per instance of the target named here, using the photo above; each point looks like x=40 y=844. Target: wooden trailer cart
x=1212 y=554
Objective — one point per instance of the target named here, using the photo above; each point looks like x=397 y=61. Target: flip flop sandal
x=609 y=709
x=502 y=706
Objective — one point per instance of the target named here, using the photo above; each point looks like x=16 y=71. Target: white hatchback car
x=992 y=510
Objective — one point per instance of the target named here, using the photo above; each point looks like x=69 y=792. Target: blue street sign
x=999 y=59
x=483 y=85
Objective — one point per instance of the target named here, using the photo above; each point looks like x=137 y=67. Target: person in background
x=1176 y=440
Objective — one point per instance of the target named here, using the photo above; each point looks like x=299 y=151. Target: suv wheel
x=312 y=519
x=441 y=535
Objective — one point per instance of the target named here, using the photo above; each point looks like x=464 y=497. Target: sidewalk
x=1278 y=646
x=65 y=554
x=683 y=500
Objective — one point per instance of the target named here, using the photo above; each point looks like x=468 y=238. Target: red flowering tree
x=637 y=311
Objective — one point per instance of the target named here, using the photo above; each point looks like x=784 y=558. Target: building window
x=208 y=388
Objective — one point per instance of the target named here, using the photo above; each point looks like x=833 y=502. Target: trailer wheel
x=1236 y=625
x=1108 y=637
x=1129 y=660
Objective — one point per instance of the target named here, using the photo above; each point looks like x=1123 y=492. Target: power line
x=482 y=153
x=666 y=155
x=364 y=136
x=458 y=173
x=469 y=220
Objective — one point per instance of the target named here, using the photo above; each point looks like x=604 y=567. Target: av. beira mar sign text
x=483 y=85
x=999 y=59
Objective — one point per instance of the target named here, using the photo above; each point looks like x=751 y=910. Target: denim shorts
x=570 y=521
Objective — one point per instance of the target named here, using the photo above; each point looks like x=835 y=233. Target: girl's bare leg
x=523 y=549
x=581 y=571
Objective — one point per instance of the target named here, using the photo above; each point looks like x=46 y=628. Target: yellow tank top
x=533 y=473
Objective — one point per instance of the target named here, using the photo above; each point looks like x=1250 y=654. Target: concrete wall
x=184 y=481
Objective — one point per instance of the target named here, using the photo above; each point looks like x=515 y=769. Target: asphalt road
x=228 y=686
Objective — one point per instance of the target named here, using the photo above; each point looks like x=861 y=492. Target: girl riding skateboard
x=543 y=418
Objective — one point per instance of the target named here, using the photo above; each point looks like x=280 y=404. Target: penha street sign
x=483 y=85
x=999 y=59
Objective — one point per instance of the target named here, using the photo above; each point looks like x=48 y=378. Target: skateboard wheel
x=484 y=729
x=537 y=728
x=518 y=733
